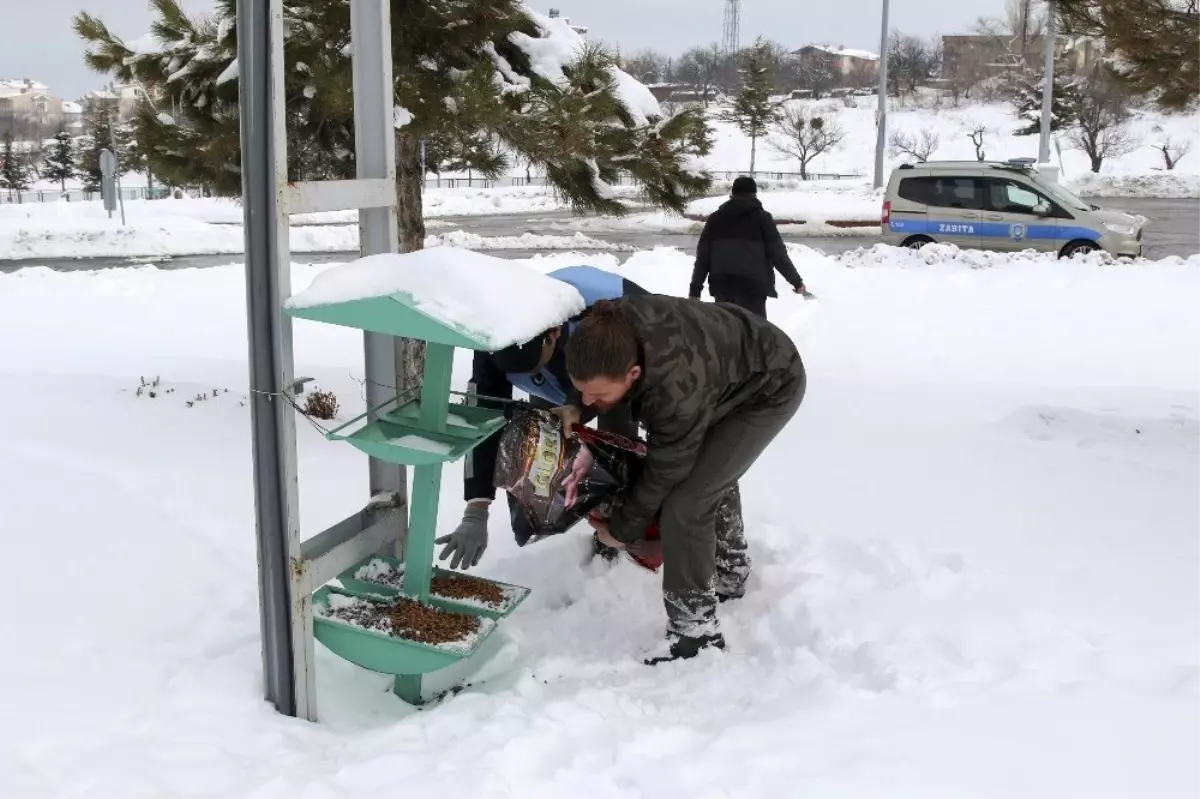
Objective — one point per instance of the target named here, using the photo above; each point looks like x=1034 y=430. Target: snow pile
x=822 y=202
x=462 y=289
x=526 y=241
x=975 y=559
x=950 y=255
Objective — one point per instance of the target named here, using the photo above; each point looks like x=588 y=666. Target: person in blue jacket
x=539 y=368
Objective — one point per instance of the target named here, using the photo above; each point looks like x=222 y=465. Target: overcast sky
x=38 y=42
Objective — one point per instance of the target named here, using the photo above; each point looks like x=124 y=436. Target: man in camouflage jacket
x=712 y=384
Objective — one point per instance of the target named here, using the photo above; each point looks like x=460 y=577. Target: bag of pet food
x=554 y=480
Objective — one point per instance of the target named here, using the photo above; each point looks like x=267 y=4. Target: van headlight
x=1124 y=230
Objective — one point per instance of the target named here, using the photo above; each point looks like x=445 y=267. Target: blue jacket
x=550 y=384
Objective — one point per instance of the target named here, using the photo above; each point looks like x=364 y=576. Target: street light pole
x=881 y=113
x=1047 y=86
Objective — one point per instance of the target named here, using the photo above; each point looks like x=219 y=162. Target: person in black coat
x=739 y=252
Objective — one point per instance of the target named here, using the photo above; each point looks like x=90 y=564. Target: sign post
x=108 y=186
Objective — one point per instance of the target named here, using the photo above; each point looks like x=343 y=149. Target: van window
x=1011 y=197
x=943 y=192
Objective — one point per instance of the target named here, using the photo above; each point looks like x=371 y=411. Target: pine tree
x=60 y=160
x=131 y=155
x=98 y=122
x=1027 y=100
x=466 y=76
x=1154 y=44
x=753 y=110
x=14 y=173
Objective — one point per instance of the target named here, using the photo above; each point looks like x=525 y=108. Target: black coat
x=739 y=252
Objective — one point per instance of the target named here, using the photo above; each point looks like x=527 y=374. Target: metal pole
x=267 y=367
x=1048 y=85
x=881 y=138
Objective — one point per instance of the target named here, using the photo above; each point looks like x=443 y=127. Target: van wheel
x=916 y=242
x=1082 y=247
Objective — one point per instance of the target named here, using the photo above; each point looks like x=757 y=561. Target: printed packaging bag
x=555 y=481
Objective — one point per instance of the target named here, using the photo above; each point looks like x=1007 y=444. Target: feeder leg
x=422 y=527
x=408 y=688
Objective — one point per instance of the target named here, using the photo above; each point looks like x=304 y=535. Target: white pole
x=881 y=139
x=1047 y=86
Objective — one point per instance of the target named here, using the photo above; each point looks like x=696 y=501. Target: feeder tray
x=514 y=595
x=398 y=434
x=383 y=653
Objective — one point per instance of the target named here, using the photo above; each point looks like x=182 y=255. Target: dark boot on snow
x=602 y=550
x=685 y=648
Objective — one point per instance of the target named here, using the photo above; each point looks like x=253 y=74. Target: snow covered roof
x=865 y=55
x=11 y=87
x=482 y=301
x=71 y=108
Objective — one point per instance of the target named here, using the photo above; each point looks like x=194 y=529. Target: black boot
x=723 y=598
x=684 y=648
x=603 y=550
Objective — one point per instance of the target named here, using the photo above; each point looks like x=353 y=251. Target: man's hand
x=604 y=535
x=469 y=541
x=569 y=415
x=802 y=290
x=579 y=468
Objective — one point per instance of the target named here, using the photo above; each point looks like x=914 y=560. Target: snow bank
x=975 y=559
x=67 y=236
x=460 y=288
x=826 y=201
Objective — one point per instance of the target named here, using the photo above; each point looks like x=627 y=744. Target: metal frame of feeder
x=289 y=566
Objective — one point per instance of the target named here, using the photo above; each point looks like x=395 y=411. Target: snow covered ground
x=975 y=549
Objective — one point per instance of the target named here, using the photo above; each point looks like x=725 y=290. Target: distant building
x=121 y=97
x=850 y=67
x=28 y=108
x=556 y=14
x=984 y=56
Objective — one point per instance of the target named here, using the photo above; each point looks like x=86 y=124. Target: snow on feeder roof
x=445 y=295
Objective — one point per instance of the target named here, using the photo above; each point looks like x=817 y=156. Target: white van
x=1000 y=206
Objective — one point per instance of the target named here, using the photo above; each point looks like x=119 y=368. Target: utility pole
x=113 y=121
x=1048 y=85
x=881 y=113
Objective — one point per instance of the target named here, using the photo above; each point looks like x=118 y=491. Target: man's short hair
x=604 y=345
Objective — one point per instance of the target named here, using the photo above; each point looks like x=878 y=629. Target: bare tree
x=1172 y=151
x=920 y=146
x=647 y=66
x=1102 y=111
x=805 y=136
x=701 y=68
x=976 y=131
x=912 y=61
x=817 y=71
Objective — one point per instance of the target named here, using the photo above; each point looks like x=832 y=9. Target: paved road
x=1174 y=229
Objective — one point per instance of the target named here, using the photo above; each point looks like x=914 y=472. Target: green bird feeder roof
x=444 y=295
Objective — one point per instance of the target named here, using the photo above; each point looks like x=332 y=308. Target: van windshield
x=1064 y=195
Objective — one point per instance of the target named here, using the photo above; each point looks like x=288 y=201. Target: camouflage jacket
x=701 y=361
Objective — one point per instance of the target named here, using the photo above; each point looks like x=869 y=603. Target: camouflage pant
x=704 y=540
x=693 y=611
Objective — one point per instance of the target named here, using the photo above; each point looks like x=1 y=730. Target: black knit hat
x=520 y=358
x=745 y=185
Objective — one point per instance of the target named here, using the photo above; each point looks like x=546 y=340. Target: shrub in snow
x=920 y=145
x=1172 y=151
